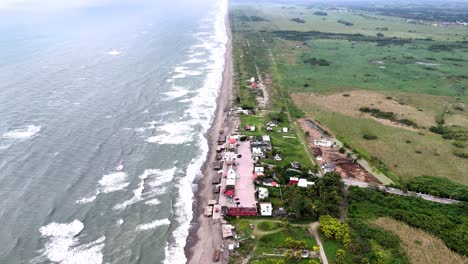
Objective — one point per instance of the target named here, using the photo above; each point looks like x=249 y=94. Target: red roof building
x=253 y=85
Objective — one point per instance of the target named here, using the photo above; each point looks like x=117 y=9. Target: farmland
x=328 y=63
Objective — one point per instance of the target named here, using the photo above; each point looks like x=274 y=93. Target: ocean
x=104 y=109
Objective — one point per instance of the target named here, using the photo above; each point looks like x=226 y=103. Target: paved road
x=400 y=192
x=323 y=256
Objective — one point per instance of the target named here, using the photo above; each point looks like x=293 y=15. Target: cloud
x=48 y=4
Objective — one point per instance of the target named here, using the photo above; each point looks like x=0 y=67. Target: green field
x=318 y=54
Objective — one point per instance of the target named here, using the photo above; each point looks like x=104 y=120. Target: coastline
x=204 y=236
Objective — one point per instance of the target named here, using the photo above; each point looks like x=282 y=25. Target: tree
x=333 y=228
x=340 y=256
x=380 y=35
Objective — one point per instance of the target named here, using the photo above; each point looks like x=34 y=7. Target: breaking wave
x=63 y=246
x=22 y=133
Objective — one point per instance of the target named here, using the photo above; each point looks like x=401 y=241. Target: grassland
x=420 y=247
x=406 y=152
x=314 y=60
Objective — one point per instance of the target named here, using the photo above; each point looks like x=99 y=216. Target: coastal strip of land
x=205 y=236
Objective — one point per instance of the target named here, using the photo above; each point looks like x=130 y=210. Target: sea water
x=104 y=107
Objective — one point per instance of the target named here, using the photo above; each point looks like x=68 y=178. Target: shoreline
x=204 y=236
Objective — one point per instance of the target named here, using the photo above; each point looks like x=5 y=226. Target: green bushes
x=320 y=13
x=448 y=222
x=377 y=113
x=438 y=186
x=369 y=137
x=335 y=229
x=346 y=23
x=298 y=20
x=324 y=198
x=461 y=154
x=317 y=62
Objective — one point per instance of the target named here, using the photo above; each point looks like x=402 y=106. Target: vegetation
x=298 y=20
x=419 y=246
x=323 y=198
x=436 y=186
x=447 y=222
x=320 y=13
x=377 y=113
x=346 y=23
x=335 y=229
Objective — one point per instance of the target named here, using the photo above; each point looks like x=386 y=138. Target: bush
x=461 y=154
x=442 y=187
x=298 y=20
x=320 y=13
x=369 y=137
x=449 y=222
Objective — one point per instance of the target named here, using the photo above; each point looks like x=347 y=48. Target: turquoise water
x=103 y=110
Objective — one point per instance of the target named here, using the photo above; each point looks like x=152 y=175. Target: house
x=285 y=130
x=266 y=138
x=252 y=79
x=328 y=167
x=296 y=165
x=257 y=153
x=266 y=209
x=216 y=179
x=293 y=180
x=278 y=157
x=323 y=143
x=217 y=165
x=208 y=210
x=231 y=173
x=281 y=212
x=253 y=85
x=232 y=144
x=304 y=183
x=260 y=171
x=250 y=128
x=262 y=193
x=221 y=139
x=270 y=183
x=227 y=231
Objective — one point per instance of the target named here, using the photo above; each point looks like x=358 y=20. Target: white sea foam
x=153 y=202
x=22 y=133
x=114 y=52
x=153 y=225
x=113 y=182
x=173 y=133
x=202 y=109
x=63 y=245
x=195 y=61
x=86 y=200
x=175 y=92
x=156 y=178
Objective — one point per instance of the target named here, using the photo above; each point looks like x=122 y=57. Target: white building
x=257 y=153
x=231 y=173
x=266 y=209
x=262 y=193
x=266 y=138
x=285 y=130
x=260 y=171
x=323 y=143
x=304 y=183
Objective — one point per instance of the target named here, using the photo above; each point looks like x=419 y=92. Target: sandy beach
x=205 y=236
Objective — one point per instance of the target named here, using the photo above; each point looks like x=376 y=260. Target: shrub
x=369 y=137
